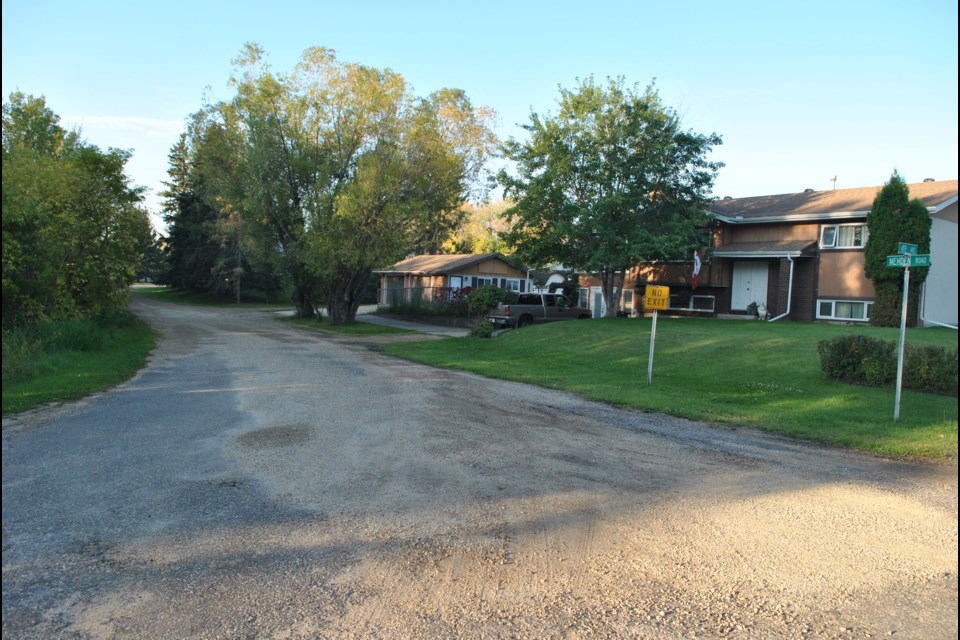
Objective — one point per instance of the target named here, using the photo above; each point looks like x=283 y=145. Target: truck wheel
x=524 y=321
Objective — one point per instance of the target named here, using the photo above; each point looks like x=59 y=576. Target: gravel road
x=256 y=481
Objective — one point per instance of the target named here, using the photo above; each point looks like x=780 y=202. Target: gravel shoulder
x=259 y=482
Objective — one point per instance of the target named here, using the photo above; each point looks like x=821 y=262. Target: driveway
x=259 y=482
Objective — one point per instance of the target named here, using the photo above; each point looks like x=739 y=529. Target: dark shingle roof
x=816 y=205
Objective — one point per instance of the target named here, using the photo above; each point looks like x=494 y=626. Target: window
x=843 y=310
x=843 y=236
x=512 y=284
x=584 y=298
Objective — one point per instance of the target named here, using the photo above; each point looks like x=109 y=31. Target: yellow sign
x=656 y=298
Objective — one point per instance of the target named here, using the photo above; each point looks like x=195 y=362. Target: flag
x=696 y=269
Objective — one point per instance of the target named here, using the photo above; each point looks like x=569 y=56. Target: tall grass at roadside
x=760 y=375
x=64 y=360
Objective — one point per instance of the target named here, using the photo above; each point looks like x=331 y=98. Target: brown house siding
x=842 y=275
x=491 y=268
x=772 y=233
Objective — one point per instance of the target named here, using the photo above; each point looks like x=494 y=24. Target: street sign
x=656 y=298
x=907 y=249
x=922 y=260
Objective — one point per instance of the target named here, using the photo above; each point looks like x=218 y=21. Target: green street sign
x=907 y=249
x=922 y=260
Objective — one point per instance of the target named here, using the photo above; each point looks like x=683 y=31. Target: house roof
x=772 y=249
x=836 y=204
x=439 y=265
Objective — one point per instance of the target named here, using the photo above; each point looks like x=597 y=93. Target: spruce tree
x=895 y=218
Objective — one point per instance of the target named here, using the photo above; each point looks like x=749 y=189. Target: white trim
x=813 y=217
x=943 y=205
x=865 y=235
x=719 y=253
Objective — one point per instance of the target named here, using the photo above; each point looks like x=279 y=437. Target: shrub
x=483 y=299
x=930 y=368
x=870 y=361
x=482 y=329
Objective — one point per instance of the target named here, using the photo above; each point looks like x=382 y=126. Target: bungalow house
x=801 y=255
x=434 y=277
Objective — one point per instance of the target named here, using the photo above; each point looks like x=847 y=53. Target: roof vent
x=808 y=190
x=929 y=180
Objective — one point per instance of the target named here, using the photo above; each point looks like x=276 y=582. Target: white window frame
x=867 y=305
x=835 y=228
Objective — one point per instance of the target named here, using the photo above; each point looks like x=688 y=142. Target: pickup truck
x=536 y=307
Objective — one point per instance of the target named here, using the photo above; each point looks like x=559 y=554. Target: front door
x=597 y=307
x=749 y=283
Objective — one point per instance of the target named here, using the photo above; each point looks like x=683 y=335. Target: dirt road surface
x=260 y=482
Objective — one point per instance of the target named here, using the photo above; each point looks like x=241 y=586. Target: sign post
x=908 y=258
x=654 y=298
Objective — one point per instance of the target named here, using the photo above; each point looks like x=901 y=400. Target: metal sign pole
x=903 y=336
x=653 y=339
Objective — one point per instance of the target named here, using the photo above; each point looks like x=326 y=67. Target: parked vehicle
x=533 y=308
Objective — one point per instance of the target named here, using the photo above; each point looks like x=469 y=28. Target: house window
x=511 y=284
x=584 y=298
x=483 y=282
x=628 y=301
x=843 y=310
x=843 y=236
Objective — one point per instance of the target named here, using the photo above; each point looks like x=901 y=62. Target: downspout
x=789 y=293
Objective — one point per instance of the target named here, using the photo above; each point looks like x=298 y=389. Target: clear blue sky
x=799 y=91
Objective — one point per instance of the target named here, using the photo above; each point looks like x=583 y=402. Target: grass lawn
x=760 y=375
x=200 y=299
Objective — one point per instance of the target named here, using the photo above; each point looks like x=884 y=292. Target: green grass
x=69 y=360
x=760 y=375
x=194 y=298
x=352 y=329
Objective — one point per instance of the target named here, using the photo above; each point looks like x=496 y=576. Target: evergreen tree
x=191 y=250
x=204 y=251
x=895 y=218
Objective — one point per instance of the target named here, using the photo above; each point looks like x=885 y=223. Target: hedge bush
x=484 y=299
x=870 y=361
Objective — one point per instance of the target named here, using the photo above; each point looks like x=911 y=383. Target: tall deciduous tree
x=73 y=227
x=482 y=229
x=895 y=218
x=339 y=169
x=611 y=180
